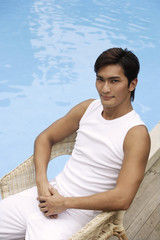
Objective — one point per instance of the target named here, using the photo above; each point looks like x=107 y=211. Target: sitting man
x=105 y=169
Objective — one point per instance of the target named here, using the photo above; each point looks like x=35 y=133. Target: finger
x=41 y=199
x=41 y=205
x=48 y=214
x=45 y=213
x=44 y=210
x=53 y=216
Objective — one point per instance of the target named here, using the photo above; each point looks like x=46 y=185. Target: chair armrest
x=23 y=176
x=19 y=179
x=103 y=226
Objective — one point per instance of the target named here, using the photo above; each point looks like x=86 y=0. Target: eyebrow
x=109 y=78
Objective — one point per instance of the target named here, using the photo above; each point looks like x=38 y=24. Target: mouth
x=106 y=98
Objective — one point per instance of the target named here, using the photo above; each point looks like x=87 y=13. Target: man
x=106 y=167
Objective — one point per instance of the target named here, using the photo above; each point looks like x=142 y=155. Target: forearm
x=42 y=151
x=106 y=201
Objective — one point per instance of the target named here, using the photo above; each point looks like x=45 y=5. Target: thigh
x=20 y=217
x=14 y=211
x=42 y=228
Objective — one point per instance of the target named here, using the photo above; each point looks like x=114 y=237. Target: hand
x=43 y=190
x=52 y=205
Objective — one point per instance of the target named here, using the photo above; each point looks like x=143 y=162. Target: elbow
x=120 y=206
x=124 y=199
x=38 y=139
x=123 y=202
x=42 y=140
x=125 y=206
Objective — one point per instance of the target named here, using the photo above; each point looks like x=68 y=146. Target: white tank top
x=98 y=153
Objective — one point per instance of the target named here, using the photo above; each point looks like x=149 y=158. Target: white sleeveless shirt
x=98 y=153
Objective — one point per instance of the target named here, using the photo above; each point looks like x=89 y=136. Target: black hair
x=125 y=58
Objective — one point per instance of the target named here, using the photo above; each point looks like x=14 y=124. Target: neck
x=112 y=113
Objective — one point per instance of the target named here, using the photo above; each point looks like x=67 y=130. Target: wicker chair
x=102 y=227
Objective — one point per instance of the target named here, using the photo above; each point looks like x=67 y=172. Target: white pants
x=20 y=217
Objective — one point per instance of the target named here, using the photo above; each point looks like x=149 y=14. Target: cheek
x=121 y=90
x=97 y=86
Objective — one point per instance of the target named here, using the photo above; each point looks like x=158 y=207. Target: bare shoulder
x=137 y=132
x=137 y=139
x=84 y=105
x=80 y=108
x=68 y=124
x=72 y=118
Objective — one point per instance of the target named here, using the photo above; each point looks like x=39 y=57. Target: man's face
x=112 y=86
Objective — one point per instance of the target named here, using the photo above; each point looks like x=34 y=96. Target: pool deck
x=142 y=220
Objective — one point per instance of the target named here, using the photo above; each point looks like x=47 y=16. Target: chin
x=107 y=103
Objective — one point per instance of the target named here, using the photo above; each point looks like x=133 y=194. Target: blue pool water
x=48 y=49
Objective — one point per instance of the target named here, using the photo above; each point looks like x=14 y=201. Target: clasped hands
x=51 y=205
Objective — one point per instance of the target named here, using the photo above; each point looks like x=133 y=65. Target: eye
x=99 y=79
x=115 y=80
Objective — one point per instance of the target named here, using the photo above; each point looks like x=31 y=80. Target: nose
x=106 y=87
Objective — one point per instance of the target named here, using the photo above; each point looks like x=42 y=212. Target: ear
x=133 y=84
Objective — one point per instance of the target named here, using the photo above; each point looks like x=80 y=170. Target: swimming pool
x=48 y=49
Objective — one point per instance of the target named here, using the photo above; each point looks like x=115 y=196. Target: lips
x=107 y=97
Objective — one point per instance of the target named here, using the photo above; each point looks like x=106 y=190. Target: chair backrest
x=65 y=147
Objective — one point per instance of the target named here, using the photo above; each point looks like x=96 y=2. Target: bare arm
x=43 y=143
x=136 y=151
